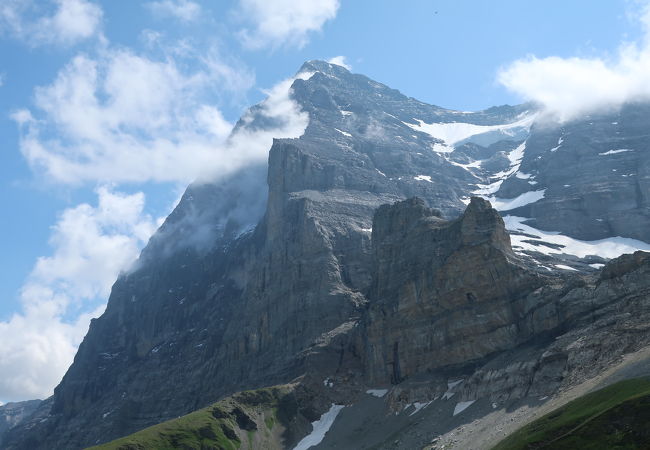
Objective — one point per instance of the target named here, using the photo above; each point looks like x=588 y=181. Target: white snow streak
x=418 y=406
x=515 y=156
x=462 y=406
x=506 y=204
x=377 y=392
x=614 y=152
x=559 y=144
x=320 y=428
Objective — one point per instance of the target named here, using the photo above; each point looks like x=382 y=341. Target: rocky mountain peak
x=482 y=224
x=371 y=250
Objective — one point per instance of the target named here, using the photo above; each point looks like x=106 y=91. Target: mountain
x=361 y=259
x=11 y=414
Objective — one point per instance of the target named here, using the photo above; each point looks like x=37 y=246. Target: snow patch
x=559 y=144
x=453 y=132
x=563 y=267
x=423 y=178
x=442 y=148
x=515 y=157
x=377 y=392
x=418 y=406
x=346 y=113
x=344 y=133
x=614 y=152
x=506 y=204
x=450 y=385
x=606 y=248
x=320 y=428
x=473 y=165
x=462 y=406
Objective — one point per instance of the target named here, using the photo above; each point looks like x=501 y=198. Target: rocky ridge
x=319 y=279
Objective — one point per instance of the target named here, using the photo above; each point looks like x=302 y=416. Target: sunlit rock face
x=444 y=293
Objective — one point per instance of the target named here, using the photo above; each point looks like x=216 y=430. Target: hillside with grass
x=263 y=418
x=616 y=417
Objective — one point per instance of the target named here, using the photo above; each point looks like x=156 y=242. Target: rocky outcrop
x=245 y=286
x=444 y=293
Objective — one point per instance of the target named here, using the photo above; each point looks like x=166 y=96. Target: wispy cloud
x=91 y=245
x=183 y=10
x=340 y=61
x=125 y=117
x=71 y=22
x=284 y=22
x=568 y=87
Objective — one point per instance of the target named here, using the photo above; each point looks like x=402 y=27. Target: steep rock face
x=444 y=293
x=239 y=290
x=595 y=171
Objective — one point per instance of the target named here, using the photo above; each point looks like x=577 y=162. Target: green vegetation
x=245 y=420
x=616 y=417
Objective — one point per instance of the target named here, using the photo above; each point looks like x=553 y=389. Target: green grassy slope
x=247 y=420
x=616 y=417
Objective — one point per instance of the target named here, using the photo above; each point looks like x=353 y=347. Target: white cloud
x=277 y=23
x=340 y=61
x=91 y=245
x=568 y=87
x=126 y=118
x=183 y=10
x=71 y=22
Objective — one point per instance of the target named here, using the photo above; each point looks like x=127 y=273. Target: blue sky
x=109 y=108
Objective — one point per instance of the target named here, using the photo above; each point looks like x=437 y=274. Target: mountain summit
x=369 y=262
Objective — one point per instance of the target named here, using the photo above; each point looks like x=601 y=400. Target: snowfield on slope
x=606 y=248
x=453 y=132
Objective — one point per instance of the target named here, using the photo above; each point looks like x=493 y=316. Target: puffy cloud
x=284 y=22
x=340 y=61
x=71 y=22
x=568 y=87
x=126 y=118
x=91 y=244
x=183 y=10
